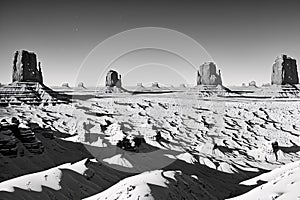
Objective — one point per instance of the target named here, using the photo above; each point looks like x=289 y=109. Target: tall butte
x=284 y=71
x=207 y=74
x=25 y=67
x=27 y=83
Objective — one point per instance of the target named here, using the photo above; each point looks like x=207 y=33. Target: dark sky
x=242 y=37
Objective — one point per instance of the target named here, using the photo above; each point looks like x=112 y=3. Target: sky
x=79 y=41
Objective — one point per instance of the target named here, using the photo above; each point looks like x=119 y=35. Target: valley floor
x=188 y=148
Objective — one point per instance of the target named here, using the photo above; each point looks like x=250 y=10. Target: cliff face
x=284 y=71
x=25 y=67
x=207 y=75
x=15 y=138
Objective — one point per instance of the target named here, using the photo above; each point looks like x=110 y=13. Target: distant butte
x=112 y=78
x=81 y=85
x=113 y=82
x=207 y=74
x=284 y=71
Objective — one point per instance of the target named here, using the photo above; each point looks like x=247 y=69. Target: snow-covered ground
x=282 y=183
x=231 y=138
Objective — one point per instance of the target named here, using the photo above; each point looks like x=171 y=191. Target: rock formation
x=81 y=85
x=65 y=85
x=113 y=79
x=139 y=85
x=25 y=67
x=15 y=137
x=155 y=85
x=252 y=84
x=113 y=82
x=207 y=75
x=27 y=86
x=284 y=71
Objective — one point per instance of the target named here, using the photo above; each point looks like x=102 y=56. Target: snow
x=49 y=178
x=283 y=183
x=227 y=136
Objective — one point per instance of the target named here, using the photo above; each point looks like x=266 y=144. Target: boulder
x=284 y=71
x=113 y=79
x=26 y=68
x=207 y=74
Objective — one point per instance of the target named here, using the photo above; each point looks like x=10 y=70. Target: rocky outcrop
x=27 y=86
x=207 y=75
x=31 y=93
x=284 y=71
x=155 y=85
x=252 y=84
x=81 y=85
x=113 y=79
x=15 y=137
x=25 y=67
x=66 y=85
x=8 y=142
x=113 y=82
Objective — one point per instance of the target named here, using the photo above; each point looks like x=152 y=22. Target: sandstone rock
x=81 y=85
x=10 y=132
x=155 y=85
x=207 y=75
x=65 y=85
x=113 y=79
x=27 y=86
x=113 y=82
x=139 y=85
x=25 y=67
x=252 y=84
x=284 y=71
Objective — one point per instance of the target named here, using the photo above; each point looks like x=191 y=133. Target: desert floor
x=209 y=148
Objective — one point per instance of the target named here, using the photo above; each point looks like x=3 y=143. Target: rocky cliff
x=207 y=75
x=25 y=67
x=284 y=71
x=16 y=137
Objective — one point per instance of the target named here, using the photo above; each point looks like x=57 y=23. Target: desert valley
x=206 y=141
